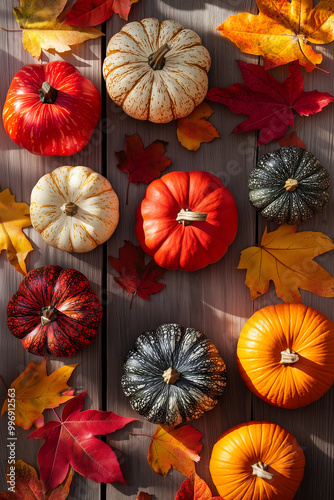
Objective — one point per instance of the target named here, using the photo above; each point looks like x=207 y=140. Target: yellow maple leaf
x=13 y=217
x=283 y=30
x=195 y=129
x=36 y=391
x=174 y=447
x=286 y=258
x=43 y=29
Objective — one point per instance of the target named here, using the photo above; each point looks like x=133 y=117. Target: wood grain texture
x=20 y=170
x=312 y=425
x=213 y=300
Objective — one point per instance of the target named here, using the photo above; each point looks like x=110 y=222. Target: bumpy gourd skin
x=269 y=186
x=202 y=375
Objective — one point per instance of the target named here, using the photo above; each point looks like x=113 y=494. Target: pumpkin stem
x=186 y=216
x=291 y=184
x=289 y=357
x=157 y=59
x=260 y=470
x=69 y=208
x=170 y=376
x=48 y=314
x=47 y=93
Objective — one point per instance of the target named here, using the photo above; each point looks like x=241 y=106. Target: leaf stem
x=10 y=29
x=127 y=193
x=139 y=434
x=133 y=296
x=3 y=383
x=54 y=411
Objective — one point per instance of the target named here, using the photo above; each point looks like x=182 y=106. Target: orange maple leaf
x=195 y=129
x=286 y=258
x=194 y=488
x=13 y=217
x=35 y=391
x=176 y=448
x=283 y=30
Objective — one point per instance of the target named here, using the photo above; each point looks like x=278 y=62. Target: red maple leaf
x=71 y=442
x=136 y=277
x=122 y=7
x=94 y=12
x=268 y=102
x=291 y=139
x=142 y=165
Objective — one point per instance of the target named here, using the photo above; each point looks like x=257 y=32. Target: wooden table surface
x=213 y=300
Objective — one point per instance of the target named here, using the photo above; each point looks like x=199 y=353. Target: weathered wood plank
x=312 y=425
x=214 y=299
x=20 y=170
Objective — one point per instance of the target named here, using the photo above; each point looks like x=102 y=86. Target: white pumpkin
x=74 y=208
x=156 y=70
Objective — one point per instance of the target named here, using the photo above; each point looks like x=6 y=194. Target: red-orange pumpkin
x=285 y=354
x=51 y=109
x=257 y=461
x=187 y=220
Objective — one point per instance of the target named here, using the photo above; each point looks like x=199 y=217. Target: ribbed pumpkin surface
x=201 y=375
x=74 y=208
x=62 y=127
x=289 y=185
x=253 y=443
x=263 y=356
x=54 y=312
x=193 y=244
x=158 y=92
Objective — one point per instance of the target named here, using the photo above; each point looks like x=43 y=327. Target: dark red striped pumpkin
x=54 y=312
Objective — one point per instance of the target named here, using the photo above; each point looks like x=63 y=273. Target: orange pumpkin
x=257 y=461
x=285 y=354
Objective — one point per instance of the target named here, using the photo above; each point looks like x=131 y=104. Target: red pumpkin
x=187 y=220
x=54 y=312
x=51 y=109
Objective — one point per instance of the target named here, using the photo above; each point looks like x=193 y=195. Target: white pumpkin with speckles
x=156 y=70
x=74 y=208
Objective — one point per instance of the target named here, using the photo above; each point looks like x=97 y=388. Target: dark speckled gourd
x=289 y=185
x=174 y=374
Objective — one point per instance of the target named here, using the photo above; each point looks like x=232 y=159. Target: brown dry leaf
x=29 y=487
x=143 y=495
x=35 y=391
x=174 y=447
x=291 y=139
x=195 y=129
x=43 y=29
x=13 y=217
x=286 y=258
